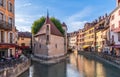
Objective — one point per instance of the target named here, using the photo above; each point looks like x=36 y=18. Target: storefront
x=6 y=50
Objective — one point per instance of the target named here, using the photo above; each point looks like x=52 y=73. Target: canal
x=76 y=66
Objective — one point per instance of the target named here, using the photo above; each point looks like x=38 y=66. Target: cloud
x=76 y=21
x=24 y=22
x=27 y=4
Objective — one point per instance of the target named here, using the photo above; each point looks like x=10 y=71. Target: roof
x=24 y=34
x=54 y=29
x=115 y=10
x=64 y=25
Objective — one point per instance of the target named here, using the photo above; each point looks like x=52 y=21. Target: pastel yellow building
x=89 y=37
x=24 y=40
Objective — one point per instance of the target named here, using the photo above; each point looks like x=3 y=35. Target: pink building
x=115 y=29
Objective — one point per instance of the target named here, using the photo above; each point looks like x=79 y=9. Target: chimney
x=96 y=21
x=106 y=15
x=100 y=18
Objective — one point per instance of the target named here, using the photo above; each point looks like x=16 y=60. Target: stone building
x=8 y=30
x=49 y=42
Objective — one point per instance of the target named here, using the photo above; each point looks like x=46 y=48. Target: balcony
x=5 y=25
x=116 y=29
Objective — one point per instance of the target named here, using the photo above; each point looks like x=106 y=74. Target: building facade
x=72 y=37
x=24 y=40
x=102 y=33
x=89 y=37
x=49 y=42
x=80 y=39
x=8 y=30
x=115 y=29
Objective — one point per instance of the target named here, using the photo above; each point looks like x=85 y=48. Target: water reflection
x=90 y=67
x=77 y=66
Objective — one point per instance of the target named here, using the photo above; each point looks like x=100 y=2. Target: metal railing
x=5 y=25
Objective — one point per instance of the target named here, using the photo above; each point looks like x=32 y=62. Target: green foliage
x=38 y=24
x=57 y=24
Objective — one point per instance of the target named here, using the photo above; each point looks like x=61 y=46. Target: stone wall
x=16 y=70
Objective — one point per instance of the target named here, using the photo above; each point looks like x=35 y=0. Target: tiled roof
x=54 y=29
x=24 y=34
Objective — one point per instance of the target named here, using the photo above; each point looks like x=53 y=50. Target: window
x=119 y=24
x=1 y=2
x=1 y=16
x=10 y=7
x=112 y=37
x=112 y=27
x=11 y=37
x=2 y=37
x=47 y=37
x=22 y=44
x=56 y=45
x=39 y=45
x=119 y=36
x=22 y=38
x=119 y=12
x=112 y=17
x=10 y=21
x=47 y=27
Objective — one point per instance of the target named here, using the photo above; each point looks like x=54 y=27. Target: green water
x=76 y=66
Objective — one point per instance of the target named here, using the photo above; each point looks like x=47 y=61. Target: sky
x=75 y=13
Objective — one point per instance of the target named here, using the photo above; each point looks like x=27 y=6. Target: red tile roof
x=54 y=29
x=24 y=34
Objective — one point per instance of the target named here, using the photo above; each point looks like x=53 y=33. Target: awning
x=86 y=46
x=116 y=46
x=7 y=45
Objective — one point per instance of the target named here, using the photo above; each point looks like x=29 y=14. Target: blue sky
x=73 y=12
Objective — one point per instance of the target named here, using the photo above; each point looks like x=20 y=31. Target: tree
x=39 y=23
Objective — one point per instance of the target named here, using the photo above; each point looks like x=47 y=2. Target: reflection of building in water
x=87 y=67
x=57 y=70
x=90 y=68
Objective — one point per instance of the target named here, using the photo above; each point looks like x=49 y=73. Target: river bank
x=15 y=70
x=113 y=61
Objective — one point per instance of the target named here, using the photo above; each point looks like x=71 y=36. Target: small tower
x=64 y=26
x=118 y=3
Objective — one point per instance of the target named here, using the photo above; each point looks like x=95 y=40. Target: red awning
x=24 y=47
x=7 y=45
